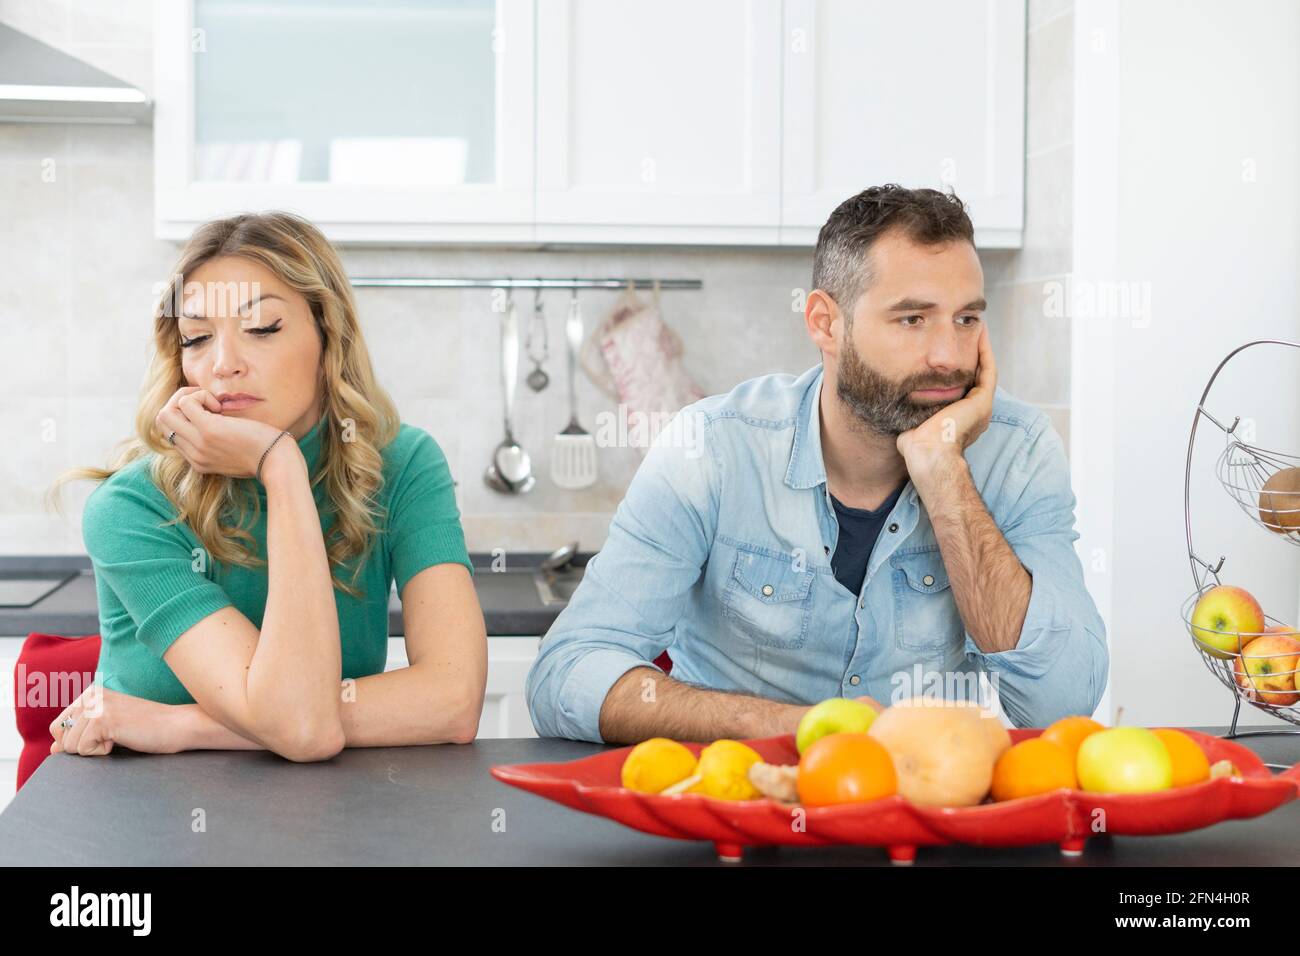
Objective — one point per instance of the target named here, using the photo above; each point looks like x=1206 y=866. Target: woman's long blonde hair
x=351 y=470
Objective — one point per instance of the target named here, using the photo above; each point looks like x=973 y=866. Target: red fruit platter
x=1065 y=816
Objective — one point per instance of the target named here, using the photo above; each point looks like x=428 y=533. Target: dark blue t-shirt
x=859 y=529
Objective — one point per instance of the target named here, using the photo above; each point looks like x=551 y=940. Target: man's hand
x=942 y=438
x=102 y=718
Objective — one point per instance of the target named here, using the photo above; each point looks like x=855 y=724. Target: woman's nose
x=226 y=359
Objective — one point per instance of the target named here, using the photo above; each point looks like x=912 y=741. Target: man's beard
x=882 y=405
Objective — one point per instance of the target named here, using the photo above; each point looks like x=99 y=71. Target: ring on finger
x=67 y=722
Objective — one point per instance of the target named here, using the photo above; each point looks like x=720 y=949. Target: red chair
x=663 y=660
x=44 y=655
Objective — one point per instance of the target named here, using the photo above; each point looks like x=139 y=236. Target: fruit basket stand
x=1251 y=475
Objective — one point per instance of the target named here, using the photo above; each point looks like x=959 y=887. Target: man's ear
x=823 y=319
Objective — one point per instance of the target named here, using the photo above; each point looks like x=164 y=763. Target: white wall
x=1186 y=182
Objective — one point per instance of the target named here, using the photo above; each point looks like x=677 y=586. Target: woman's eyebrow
x=249 y=304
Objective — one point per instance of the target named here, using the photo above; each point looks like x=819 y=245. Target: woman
x=271 y=437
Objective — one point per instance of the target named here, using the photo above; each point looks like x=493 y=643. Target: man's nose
x=944 y=348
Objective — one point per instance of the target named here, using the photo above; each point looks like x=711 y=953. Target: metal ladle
x=538 y=379
x=511 y=468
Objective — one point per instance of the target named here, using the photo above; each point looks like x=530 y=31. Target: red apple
x=1221 y=614
x=1266 y=669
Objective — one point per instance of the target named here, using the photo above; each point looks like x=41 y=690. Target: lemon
x=724 y=771
x=657 y=763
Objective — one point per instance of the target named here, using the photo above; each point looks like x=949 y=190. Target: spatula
x=573 y=451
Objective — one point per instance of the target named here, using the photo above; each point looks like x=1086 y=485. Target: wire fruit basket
x=1265 y=484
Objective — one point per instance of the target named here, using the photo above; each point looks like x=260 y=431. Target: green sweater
x=154 y=583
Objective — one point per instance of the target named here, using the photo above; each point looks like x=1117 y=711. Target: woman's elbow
x=310 y=744
x=467 y=715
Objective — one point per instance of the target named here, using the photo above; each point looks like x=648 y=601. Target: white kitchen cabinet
x=924 y=93
x=659 y=122
x=733 y=122
x=505 y=706
x=389 y=120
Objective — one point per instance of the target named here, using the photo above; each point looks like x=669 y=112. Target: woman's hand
x=102 y=718
x=214 y=444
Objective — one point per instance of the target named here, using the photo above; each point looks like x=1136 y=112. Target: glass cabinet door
x=355 y=113
x=345 y=91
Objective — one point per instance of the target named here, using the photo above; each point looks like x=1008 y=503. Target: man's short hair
x=926 y=216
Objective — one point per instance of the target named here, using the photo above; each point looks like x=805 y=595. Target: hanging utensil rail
x=430 y=282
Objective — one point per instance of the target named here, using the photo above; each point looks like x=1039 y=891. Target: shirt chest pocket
x=925 y=614
x=769 y=598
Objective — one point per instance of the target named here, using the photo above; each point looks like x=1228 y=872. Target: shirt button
x=767 y=590
x=862 y=603
x=893 y=527
x=855 y=680
x=928 y=580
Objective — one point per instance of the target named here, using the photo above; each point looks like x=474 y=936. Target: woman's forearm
x=293 y=677
x=397 y=708
x=203 y=732
x=423 y=703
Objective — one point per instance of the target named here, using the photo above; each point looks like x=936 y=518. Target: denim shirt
x=720 y=554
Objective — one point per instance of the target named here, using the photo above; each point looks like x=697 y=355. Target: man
x=840 y=533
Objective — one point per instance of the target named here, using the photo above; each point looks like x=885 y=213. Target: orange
x=845 y=768
x=1031 y=767
x=1189 y=760
x=1070 y=732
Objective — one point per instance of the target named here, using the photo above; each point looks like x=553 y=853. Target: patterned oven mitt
x=634 y=357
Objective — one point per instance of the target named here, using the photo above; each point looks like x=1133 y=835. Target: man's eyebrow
x=246 y=305
x=918 y=305
x=911 y=305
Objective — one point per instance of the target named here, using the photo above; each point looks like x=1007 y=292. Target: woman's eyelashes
x=262 y=331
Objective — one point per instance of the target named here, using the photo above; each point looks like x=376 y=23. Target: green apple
x=1222 y=613
x=1124 y=760
x=838 y=715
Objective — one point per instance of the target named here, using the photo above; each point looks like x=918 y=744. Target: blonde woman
x=245 y=541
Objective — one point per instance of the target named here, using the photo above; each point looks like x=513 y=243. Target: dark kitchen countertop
x=439 y=805
x=511 y=604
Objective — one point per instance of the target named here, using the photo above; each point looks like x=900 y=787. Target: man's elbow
x=535 y=695
x=540 y=716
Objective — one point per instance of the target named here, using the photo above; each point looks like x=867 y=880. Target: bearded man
x=887 y=524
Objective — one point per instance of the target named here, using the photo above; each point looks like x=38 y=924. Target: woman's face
x=244 y=332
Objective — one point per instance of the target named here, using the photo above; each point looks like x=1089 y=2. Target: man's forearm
x=295 y=668
x=646 y=703
x=989 y=584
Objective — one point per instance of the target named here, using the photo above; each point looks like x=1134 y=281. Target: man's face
x=916 y=326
